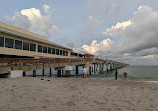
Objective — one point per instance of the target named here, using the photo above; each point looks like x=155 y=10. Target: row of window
x=17 y=44
x=44 y=49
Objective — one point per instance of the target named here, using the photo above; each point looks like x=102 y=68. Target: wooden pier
x=31 y=64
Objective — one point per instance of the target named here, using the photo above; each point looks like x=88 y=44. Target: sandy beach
x=76 y=94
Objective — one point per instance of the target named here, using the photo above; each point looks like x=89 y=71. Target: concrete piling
x=43 y=72
x=24 y=73
x=34 y=73
x=50 y=72
x=76 y=70
x=90 y=70
x=59 y=73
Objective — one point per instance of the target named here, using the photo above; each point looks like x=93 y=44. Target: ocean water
x=138 y=73
x=143 y=73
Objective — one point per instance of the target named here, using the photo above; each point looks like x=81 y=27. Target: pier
x=22 y=51
x=30 y=64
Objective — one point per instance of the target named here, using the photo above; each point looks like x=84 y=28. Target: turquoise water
x=139 y=73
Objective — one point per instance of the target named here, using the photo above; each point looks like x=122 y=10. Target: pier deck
x=30 y=64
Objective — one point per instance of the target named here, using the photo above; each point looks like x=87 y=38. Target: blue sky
x=101 y=27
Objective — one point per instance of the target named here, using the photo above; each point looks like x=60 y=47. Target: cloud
x=139 y=33
x=70 y=43
x=104 y=48
x=107 y=6
x=33 y=20
x=137 y=36
x=91 y=27
x=46 y=8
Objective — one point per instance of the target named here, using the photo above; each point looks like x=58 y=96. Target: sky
x=121 y=30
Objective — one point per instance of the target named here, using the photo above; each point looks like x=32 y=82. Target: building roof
x=27 y=35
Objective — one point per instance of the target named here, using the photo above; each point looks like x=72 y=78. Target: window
x=49 y=50
x=61 y=52
x=44 y=49
x=1 y=41
x=66 y=53
x=26 y=46
x=9 y=43
x=32 y=47
x=18 y=44
x=57 y=51
x=39 y=48
x=53 y=51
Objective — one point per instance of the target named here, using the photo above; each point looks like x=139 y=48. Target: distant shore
x=77 y=94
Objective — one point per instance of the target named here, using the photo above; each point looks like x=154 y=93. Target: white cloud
x=32 y=20
x=46 y=8
x=138 y=37
x=104 y=47
x=138 y=33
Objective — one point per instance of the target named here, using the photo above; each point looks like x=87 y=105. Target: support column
x=59 y=73
x=50 y=72
x=24 y=73
x=94 y=69
x=90 y=69
x=43 y=72
x=110 y=66
x=100 y=69
x=76 y=70
x=107 y=68
x=34 y=73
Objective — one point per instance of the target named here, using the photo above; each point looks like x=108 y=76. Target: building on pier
x=15 y=42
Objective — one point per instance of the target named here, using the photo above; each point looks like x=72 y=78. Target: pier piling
x=76 y=70
x=50 y=72
x=43 y=72
x=34 y=73
x=24 y=73
x=59 y=73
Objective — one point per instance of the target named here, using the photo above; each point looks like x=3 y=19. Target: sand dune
x=76 y=94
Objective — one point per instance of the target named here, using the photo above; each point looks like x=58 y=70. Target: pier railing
x=30 y=61
x=28 y=64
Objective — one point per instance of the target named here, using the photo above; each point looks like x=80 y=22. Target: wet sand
x=76 y=94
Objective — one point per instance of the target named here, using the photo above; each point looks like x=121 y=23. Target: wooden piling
x=107 y=68
x=94 y=69
x=24 y=73
x=34 y=73
x=90 y=70
x=76 y=70
x=43 y=72
x=50 y=72
x=59 y=73
x=100 y=69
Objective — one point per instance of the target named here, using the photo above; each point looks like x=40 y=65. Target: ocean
x=138 y=73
